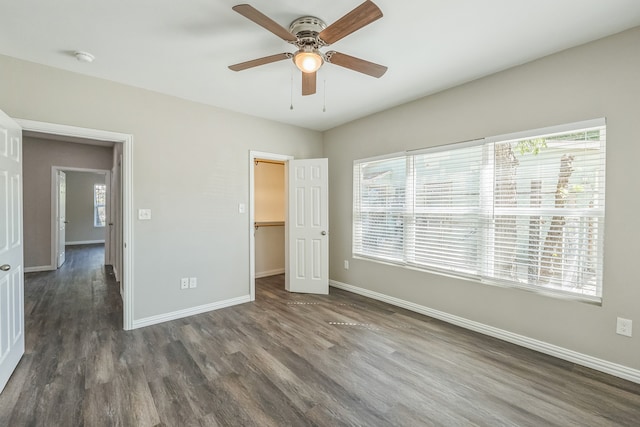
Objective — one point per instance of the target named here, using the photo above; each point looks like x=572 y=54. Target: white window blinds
x=379 y=208
x=447 y=209
x=523 y=210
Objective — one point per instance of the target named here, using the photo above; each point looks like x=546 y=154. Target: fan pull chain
x=324 y=101
x=291 y=106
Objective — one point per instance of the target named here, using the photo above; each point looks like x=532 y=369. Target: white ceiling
x=183 y=48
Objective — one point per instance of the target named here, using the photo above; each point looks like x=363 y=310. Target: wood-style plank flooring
x=285 y=360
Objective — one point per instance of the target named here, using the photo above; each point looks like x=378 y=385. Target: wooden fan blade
x=356 y=64
x=264 y=21
x=362 y=15
x=308 y=83
x=260 y=61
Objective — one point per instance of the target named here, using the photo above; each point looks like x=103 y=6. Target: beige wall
x=190 y=167
x=269 y=251
x=269 y=198
x=269 y=192
x=80 y=227
x=39 y=156
x=600 y=79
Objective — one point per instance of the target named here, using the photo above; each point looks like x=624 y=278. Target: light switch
x=241 y=208
x=144 y=214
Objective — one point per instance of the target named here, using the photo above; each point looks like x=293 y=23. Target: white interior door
x=11 y=264
x=61 y=180
x=307 y=227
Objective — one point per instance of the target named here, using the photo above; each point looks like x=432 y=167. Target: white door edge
x=60 y=206
x=12 y=324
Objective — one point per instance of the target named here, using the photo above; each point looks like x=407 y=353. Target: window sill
x=549 y=292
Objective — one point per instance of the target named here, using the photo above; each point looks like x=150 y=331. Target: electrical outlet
x=623 y=327
x=346 y=264
x=184 y=283
x=193 y=282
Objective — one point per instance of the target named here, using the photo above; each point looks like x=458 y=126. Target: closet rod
x=269 y=224
x=274 y=162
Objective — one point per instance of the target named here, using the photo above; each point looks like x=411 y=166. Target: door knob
x=324 y=233
x=5 y=267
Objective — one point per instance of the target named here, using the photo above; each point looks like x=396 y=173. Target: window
x=379 y=206
x=99 y=200
x=523 y=210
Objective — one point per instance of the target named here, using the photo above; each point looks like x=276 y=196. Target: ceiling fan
x=309 y=34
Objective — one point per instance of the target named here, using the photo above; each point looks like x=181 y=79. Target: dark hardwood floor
x=285 y=360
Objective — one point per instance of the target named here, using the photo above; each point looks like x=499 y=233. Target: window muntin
x=525 y=212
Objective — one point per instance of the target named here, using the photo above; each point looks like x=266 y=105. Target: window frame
x=488 y=241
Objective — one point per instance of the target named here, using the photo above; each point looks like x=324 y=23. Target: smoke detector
x=84 y=56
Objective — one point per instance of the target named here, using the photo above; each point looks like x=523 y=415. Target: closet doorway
x=306 y=236
x=268 y=204
x=269 y=221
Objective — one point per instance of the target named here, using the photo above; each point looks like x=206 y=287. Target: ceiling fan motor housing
x=306 y=29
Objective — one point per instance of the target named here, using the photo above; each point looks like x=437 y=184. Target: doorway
x=306 y=224
x=80 y=210
x=267 y=213
x=125 y=165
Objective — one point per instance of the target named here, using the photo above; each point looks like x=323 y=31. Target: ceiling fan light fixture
x=308 y=61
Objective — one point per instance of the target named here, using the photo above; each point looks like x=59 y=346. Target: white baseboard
x=39 y=268
x=269 y=273
x=521 y=340
x=83 y=242
x=160 y=318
